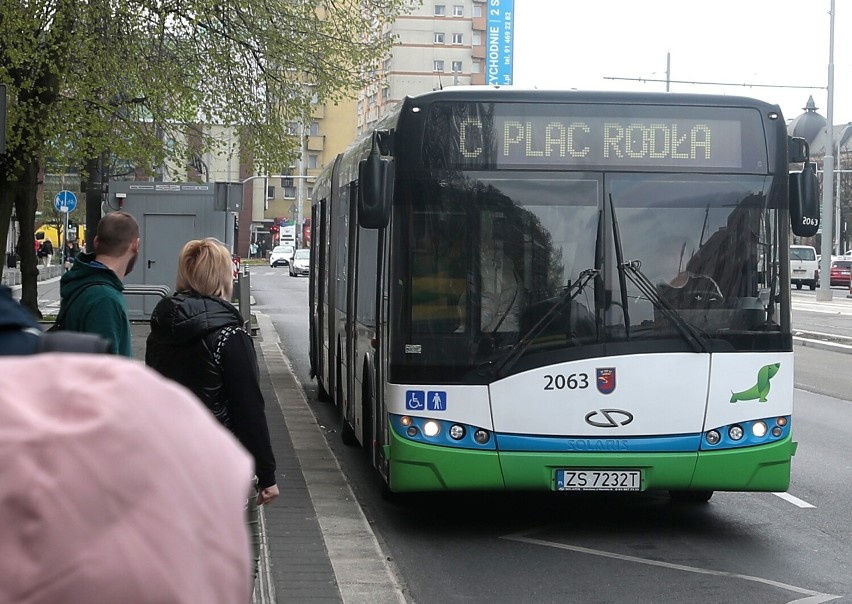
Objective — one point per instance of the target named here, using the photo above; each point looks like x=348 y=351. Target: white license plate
x=598 y=479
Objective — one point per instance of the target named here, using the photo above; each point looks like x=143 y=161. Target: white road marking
x=794 y=500
x=812 y=597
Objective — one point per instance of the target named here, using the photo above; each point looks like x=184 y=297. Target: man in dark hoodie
x=91 y=292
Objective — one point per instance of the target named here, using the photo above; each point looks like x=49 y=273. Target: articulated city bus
x=517 y=289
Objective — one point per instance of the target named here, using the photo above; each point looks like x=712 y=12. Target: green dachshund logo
x=761 y=388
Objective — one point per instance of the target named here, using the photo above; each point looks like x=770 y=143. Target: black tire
x=812 y=286
x=798 y=285
x=347 y=432
x=691 y=496
x=322 y=393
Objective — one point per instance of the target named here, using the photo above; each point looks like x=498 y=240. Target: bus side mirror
x=375 y=184
x=804 y=202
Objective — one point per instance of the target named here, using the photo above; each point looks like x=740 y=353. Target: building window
x=477 y=38
x=314 y=128
x=440 y=10
x=289 y=192
x=457 y=66
x=439 y=38
x=313 y=161
x=477 y=10
x=270 y=192
x=438 y=66
x=458 y=38
x=476 y=67
x=458 y=10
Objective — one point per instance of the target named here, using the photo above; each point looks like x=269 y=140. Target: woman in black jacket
x=197 y=339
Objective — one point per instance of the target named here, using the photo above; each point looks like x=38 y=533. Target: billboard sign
x=499 y=39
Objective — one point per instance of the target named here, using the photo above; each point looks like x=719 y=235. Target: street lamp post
x=824 y=292
x=837 y=232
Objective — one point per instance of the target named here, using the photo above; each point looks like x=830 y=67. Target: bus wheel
x=367 y=418
x=322 y=394
x=347 y=433
x=691 y=496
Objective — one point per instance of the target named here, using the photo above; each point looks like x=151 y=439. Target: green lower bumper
x=419 y=467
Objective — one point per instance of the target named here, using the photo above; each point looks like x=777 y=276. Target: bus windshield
x=491 y=255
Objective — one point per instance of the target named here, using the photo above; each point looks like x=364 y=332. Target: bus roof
x=516 y=94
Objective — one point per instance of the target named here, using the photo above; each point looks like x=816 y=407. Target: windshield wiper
x=619 y=259
x=516 y=351
x=633 y=272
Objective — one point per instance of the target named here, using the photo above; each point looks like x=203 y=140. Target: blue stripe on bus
x=573 y=444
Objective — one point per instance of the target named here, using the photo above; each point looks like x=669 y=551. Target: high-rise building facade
x=439 y=43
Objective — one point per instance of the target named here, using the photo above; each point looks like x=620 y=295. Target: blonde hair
x=205 y=267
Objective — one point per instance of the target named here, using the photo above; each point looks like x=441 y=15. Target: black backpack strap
x=63 y=309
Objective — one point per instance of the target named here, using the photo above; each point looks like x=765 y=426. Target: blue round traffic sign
x=65 y=201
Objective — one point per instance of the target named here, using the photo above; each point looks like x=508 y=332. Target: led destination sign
x=489 y=137
x=608 y=141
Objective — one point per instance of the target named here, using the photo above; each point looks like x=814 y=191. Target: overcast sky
x=580 y=43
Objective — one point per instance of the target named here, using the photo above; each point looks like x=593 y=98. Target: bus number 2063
x=574 y=381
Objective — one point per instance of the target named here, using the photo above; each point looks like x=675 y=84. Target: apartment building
x=440 y=43
x=329 y=131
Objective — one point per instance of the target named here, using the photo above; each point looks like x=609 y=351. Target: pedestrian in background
x=197 y=339
x=69 y=253
x=91 y=292
x=45 y=252
x=104 y=496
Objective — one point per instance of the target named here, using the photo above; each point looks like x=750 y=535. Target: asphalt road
x=617 y=548
x=762 y=547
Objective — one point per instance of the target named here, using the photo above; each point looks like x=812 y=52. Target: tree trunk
x=24 y=192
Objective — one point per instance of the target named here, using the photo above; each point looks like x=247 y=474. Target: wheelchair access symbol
x=418 y=400
x=415 y=400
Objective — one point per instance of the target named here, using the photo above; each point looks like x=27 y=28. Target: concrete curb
x=822 y=345
x=362 y=571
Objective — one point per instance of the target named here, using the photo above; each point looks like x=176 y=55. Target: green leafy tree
x=132 y=78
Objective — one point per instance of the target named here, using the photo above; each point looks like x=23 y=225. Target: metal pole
x=824 y=292
x=300 y=198
x=837 y=249
x=668 y=71
x=244 y=279
x=64 y=244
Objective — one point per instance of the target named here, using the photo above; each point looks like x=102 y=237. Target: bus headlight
x=759 y=429
x=776 y=431
x=412 y=431
x=431 y=428
x=456 y=432
x=481 y=436
x=736 y=432
x=713 y=437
